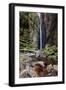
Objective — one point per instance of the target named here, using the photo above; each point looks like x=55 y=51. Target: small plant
x=51 y=51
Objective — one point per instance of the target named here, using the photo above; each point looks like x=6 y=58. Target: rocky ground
x=27 y=67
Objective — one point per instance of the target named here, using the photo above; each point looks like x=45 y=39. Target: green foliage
x=51 y=51
x=33 y=21
x=28 y=23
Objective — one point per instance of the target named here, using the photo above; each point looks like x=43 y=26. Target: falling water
x=40 y=31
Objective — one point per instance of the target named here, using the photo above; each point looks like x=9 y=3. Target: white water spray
x=40 y=31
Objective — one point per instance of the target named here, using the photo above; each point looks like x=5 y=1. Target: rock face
x=51 y=28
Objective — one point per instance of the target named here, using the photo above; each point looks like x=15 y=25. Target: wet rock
x=49 y=67
x=24 y=74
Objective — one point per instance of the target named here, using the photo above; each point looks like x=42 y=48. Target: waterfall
x=40 y=31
